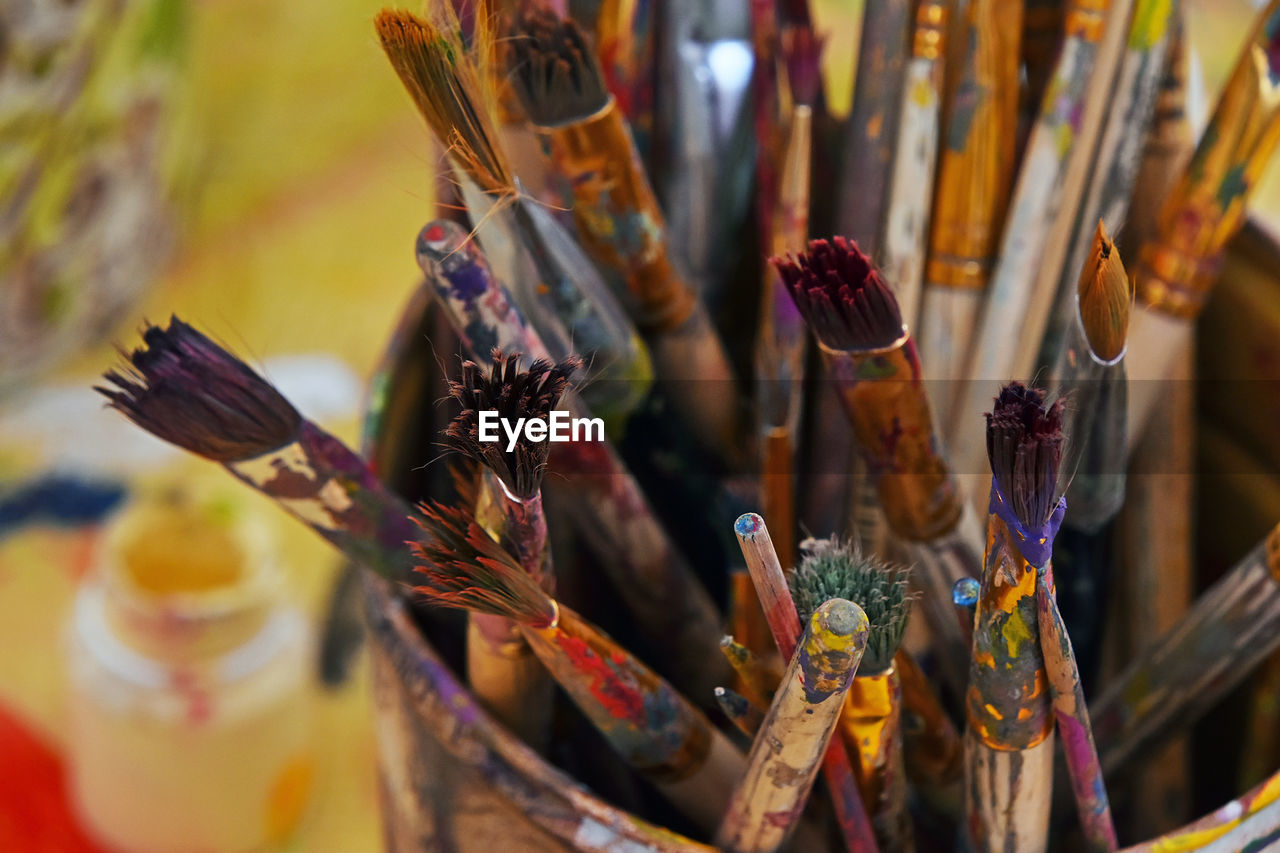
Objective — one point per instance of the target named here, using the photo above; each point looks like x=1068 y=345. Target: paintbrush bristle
x=841 y=295
x=442 y=79
x=1105 y=294
x=463 y=567
x=514 y=394
x=832 y=569
x=802 y=53
x=184 y=388
x=1025 y=444
x=554 y=69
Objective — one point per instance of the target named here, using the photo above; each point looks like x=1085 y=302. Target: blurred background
x=267 y=177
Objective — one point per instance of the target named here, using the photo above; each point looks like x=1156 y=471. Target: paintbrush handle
x=325 y=485
x=873 y=122
x=1249 y=822
x=948 y=318
x=884 y=399
x=931 y=744
x=1072 y=714
x=759 y=681
x=1007 y=796
x=508 y=679
x=784 y=623
x=871 y=728
x=1231 y=628
x=744 y=714
x=651 y=726
x=787 y=752
x=520 y=523
x=906 y=229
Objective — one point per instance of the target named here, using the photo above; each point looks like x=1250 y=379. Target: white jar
x=190 y=688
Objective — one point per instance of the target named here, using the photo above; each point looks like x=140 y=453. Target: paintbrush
x=651 y=726
x=660 y=589
x=757 y=678
x=871 y=724
x=784 y=623
x=557 y=286
x=1178 y=268
x=873 y=364
x=742 y=712
x=1118 y=158
x=1090 y=375
x=871 y=131
x=1042 y=213
x=625 y=33
x=1009 y=736
x=184 y=388
x=975 y=168
x=782 y=339
x=1231 y=629
x=561 y=85
x=508 y=506
x=906 y=229
x=787 y=752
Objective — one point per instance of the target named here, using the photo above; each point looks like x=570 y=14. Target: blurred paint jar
x=189 y=687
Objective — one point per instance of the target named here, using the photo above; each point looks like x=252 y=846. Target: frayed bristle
x=1025 y=445
x=1105 y=295
x=831 y=569
x=802 y=52
x=841 y=295
x=464 y=568
x=184 y=388
x=514 y=394
x=443 y=81
x=554 y=69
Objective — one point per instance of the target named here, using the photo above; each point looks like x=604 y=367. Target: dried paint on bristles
x=1105 y=294
x=1025 y=445
x=832 y=569
x=554 y=69
x=441 y=77
x=841 y=295
x=514 y=394
x=463 y=567
x=184 y=388
x=802 y=53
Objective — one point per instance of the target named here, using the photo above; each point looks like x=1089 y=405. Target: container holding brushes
x=567 y=651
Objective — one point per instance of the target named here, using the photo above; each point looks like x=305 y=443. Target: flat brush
x=1009 y=736
x=651 y=726
x=673 y=609
x=559 y=288
x=872 y=361
x=508 y=505
x=182 y=387
x=871 y=724
x=787 y=752
x=555 y=72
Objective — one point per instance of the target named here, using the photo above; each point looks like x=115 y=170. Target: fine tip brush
x=651 y=725
x=871 y=723
x=508 y=506
x=1106 y=297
